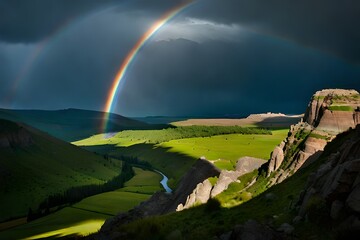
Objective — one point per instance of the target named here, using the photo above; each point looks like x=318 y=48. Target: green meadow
x=225 y=150
x=173 y=154
x=88 y=215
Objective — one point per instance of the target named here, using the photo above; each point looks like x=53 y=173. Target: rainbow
x=132 y=54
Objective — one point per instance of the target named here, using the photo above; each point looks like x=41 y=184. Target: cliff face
x=334 y=110
x=329 y=112
x=13 y=135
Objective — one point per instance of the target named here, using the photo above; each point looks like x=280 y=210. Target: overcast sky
x=216 y=57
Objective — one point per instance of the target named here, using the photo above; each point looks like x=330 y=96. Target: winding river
x=164 y=181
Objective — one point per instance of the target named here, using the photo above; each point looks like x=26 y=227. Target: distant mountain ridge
x=71 y=124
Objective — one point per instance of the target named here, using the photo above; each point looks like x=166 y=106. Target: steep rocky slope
x=332 y=192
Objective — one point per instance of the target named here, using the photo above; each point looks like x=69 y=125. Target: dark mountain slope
x=34 y=165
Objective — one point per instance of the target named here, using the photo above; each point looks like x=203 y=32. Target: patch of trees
x=168 y=134
x=135 y=161
x=76 y=194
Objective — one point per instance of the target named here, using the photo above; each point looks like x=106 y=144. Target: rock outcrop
x=329 y=112
x=14 y=135
x=161 y=203
x=334 y=110
x=204 y=190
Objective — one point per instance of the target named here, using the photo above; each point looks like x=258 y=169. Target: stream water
x=164 y=182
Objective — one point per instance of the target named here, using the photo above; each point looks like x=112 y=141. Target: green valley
x=88 y=215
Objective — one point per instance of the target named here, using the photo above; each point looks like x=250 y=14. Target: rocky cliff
x=329 y=112
x=334 y=110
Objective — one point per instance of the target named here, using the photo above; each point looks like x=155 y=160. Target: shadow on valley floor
x=173 y=164
x=278 y=122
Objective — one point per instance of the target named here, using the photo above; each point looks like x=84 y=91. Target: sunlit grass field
x=225 y=150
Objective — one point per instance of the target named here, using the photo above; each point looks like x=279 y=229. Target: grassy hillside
x=71 y=124
x=88 y=215
x=47 y=166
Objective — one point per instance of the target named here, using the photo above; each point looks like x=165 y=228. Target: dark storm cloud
x=33 y=20
x=254 y=65
x=29 y=21
x=226 y=78
x=330 y=25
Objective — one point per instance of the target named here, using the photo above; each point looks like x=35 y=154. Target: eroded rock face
x=334 y=110
x=204 y=190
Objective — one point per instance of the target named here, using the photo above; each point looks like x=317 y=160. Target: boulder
x=277 y=157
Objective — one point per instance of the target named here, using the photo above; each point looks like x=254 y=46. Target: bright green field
x=88 y=215
x=225 y=150
x=175 y=157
